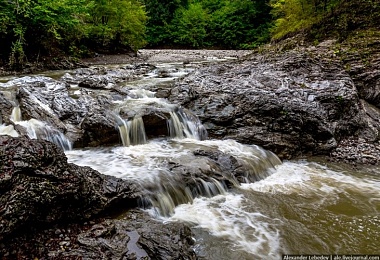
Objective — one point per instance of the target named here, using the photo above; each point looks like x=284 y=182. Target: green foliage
x=189 y=25
x=29 y=28
x=115 y=23
x=322 y=18
x=292 y=15
x=240 y=23
x=209 y=23
x=160 y=14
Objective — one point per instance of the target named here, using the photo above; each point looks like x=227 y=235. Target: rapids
x=274 y=208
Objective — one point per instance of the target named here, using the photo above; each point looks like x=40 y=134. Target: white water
x=224 y=216
x=35 y=129
x=294 y=207
x=145 y=162
x=8 y=130
x=302 y=207
x=297 y=207
x=181 y=123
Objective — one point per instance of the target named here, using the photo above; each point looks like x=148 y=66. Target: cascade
x=123 y=130
x=137 y=131
x=183 y=123
x=8 y=130
x=132 y=132
x=180 y=122
x=175 y=126
x=37 y=129
x=16 y=114
x=272 y=208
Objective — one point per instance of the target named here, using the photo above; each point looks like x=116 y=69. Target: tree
x=116 y=23
x=33 y=28
x=189 y=26
x=161 y=14
x=240 y=23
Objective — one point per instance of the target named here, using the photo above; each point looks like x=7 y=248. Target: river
x=307 y=206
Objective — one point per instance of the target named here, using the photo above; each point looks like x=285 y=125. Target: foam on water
x=224 y=216
x=8 y=130
x=141 y=162
x=306 y=178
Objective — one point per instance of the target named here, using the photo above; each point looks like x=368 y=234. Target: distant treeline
x=208 y=23
x=31 y=29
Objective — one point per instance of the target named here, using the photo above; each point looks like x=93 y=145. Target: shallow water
x=303 y=207
x=297 y=207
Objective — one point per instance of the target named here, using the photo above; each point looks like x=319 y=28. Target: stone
x=38 y=186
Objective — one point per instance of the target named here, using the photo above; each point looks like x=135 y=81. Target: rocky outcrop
x=290 y=103
x=81 y=104
x=135 y=235
x=6 y=108
x=38 y=186
x=361 y=57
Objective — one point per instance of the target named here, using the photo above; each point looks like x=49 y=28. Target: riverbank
x=293 y=103
x=142 y=56
x=357 y=142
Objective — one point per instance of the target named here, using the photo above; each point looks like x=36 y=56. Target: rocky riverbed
x=295 y=103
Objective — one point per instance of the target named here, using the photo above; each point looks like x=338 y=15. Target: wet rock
x=362 y=61
x=135 y=235
x=357 y=151
x=98 y=129
x=156 y=124
x=290 y=103
x=95 y=82
x=6 y=108
x=38 y=186
x=87 y=120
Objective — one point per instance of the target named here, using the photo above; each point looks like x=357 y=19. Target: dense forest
x=31 y=29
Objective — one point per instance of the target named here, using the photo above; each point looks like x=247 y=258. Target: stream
x=307 y=206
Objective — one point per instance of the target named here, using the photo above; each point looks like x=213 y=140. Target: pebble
x=64 y=243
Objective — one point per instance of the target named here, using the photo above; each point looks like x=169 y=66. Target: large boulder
x=135 y=235
x=290 y=103
x=38 y=185
x=361 y=57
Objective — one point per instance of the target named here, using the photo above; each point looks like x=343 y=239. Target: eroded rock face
x=82 y=104
x=362 y=61
x=38 y=186
x=135 y=235
x=288 y=103
x=6 y=109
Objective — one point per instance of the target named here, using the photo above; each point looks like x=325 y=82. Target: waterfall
x=142 y=103
x=37 y=129
x=124 y=133
x=174 y=193
x=183 y=123
x=132 y=132
x=8 y=130
x=137 y=130
x=175 y=126
x=16 y=114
